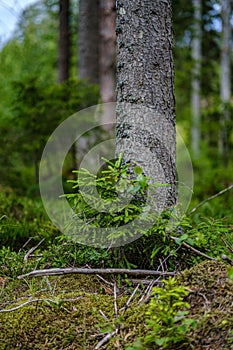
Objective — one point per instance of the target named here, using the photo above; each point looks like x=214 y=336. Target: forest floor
x=91 y=312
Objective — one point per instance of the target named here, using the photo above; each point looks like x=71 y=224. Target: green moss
x=211 y=300
x=77 y=324
x=45 y=325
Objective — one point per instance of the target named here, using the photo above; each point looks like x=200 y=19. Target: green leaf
x=162 y=341
x=138 y=170
x=230 y=273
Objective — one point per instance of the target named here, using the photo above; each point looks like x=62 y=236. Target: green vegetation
x=192 y=311
x=77 y=312
x=67 y=309
x=167 y=318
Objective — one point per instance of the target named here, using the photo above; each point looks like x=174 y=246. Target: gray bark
x=88 y=36
x=196 y=80
x=145 y=98
x=225 y=79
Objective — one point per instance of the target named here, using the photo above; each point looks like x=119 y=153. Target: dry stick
x=112 y=334
x=105 y=281
x=115 y=299
x=72 y=270
x=32 y=250
x=103 y=315
x=194 y=250
x=28 y=241
x=146 y=295
x=129 y=300
x=209 y=199
x=35 y=301
x=226 y=258
x=142 y=282
x=227 y=245
x=105 y=339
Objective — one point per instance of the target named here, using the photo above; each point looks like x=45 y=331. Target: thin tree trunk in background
x=88 y=37
x=65 y=55
x=108 y=50
x=145 y=80
x=225 y=82
x=196 y=81
x=64 y=41
x=36 y=166
x=107 y=77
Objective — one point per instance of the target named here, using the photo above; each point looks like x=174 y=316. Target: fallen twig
x=147 y=293
x=103 y=315
x=28 y=241
x=143 y=281
x=226 y=258
x=209 y=199
x=105 y=281
x=72 y=270
x=36 y=301
x=32 y=250
x=227 y=245
x=115 y=299
x=129 y=300
x=112 y=334
x=106 y=339
x=194 y=249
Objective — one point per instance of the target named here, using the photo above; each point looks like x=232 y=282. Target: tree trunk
x=89 y=39
x=145 y=97
x=107 y=78
x=225 y=82
x=196 y=81
x=64 y=41
x=107 y=50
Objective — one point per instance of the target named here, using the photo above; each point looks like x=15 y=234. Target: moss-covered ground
x=77 y=311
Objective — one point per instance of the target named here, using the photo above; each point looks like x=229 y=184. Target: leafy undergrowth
x=77 y=311
x=23 y=220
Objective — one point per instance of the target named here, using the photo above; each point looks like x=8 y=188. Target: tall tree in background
x=145 y=79
x=88 y=36
x=225 y=81
x=64 y=41
x=107 y=50
x=107 y=60
x=196 y=80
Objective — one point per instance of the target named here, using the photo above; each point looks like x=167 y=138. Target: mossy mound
x=67 y=314
x=211 y=300
x=76 y=311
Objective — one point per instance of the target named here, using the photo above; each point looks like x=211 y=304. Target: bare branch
x=115 y=299
x=28 y=241
x=226 y=258
x=105 y=339
x=227 y=245
x=72 y=270
x=103 y=315
x=32 y=250
x=186 y=245
x=35 y=301
x=130 y=298
x=209 y=199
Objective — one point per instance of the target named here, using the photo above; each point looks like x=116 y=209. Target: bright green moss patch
x=69 y=316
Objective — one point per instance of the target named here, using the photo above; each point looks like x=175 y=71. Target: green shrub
x=167 y=321
x=116 y=181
